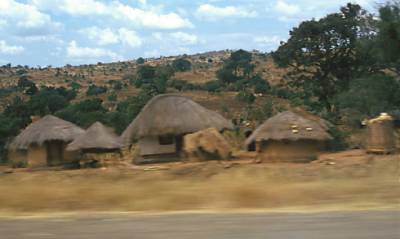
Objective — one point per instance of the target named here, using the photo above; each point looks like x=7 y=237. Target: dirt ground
x=336 y=181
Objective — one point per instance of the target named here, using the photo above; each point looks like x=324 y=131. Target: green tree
x=388 y=38
x=237 y=66
x=140 y=61
x=182 y=65
x=85 y=112
x=371 y=95
x=323 y=55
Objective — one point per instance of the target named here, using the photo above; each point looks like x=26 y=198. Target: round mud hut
x=380 y=135
x=98 y=143
x=290 y=137
x=164 y=120
x=45 y=141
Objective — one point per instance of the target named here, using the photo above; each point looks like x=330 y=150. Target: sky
x=60 y=32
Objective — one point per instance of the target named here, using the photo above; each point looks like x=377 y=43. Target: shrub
x=181 y=65
x=246 y=97
x=213 y=86
x=95 y=90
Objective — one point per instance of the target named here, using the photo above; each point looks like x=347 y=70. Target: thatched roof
x=47 y=128
x=290 y=126
x=97 y=136
x=172 y=114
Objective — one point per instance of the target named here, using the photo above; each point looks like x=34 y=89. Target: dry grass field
x=334 y=183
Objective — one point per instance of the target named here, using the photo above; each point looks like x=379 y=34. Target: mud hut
x=164 y=120
x=381 y=135
x=45 y=141
x=96 y=139
x=290 y=137
x=98 y=144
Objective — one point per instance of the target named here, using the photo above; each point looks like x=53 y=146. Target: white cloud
x=10 y=50
x=145 y=16
x=102 y=36
x=287 y=9
x=148 y=18
x=211 y=12
x=84 y=7
x=184 y=38
x=109 y=36
x=268 y=40
x=175 y=38
x=129 y=37
x=77 y=52
x=26 y=19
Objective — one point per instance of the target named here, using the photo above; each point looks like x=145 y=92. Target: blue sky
x=59 y=32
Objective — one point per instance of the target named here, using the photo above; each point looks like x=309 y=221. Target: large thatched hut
x=45 y=141
x=164 y=120
x=290 y=137
x=381 y=135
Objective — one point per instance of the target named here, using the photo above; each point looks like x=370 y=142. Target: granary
x=99 y=144
x=381 y=135
x=164 y=120
x=290 y=137
x=45 y=141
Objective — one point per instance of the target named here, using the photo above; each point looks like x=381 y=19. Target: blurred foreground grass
x=211 y=185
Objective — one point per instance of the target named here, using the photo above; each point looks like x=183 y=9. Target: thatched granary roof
x=97 y=136
x=45 y=129
x=173 y=114
x=290 y=126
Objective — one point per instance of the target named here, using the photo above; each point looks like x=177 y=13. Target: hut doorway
x=178 y=143
x=54 y=152
x=252 y=146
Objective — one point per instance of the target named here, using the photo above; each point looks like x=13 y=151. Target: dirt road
x=330 y=225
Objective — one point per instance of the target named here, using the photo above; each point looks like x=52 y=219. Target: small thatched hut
x=162 y=123
x=98 y=144
x=290 y=137
x=97 y=138
x=381 y=135
x=45 y=141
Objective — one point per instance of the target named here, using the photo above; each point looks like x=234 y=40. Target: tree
x=140 y=61
x=323 y=55
x=182 y=65
x=85 y=112
x=153 y=79
x=371 y=95
x=237 y=66
x=388 y=38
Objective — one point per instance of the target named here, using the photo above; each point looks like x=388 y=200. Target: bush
x=95 y=90
x=75 y=86
x=112 y=97
x=140 y=61
x=246 y=97
x=213 y=86
x=181 y=65
x=339 y=140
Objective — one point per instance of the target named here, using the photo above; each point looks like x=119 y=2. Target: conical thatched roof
x=97 y=136
x=46 y=129
x=172 y=114
x=290 y=126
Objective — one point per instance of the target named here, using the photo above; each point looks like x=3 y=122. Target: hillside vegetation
x=344 y=67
